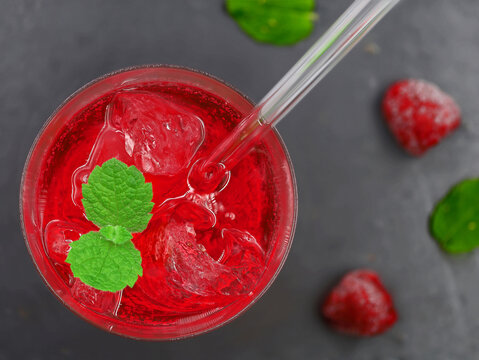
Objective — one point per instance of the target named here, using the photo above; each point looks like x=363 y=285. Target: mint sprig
x=454 y=222
x=116 y=199
x=278 y=22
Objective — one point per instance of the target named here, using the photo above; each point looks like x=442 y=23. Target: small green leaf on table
x=454 y=222
x=278 y=22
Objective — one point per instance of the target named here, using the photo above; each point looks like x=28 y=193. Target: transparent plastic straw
x=340 y=38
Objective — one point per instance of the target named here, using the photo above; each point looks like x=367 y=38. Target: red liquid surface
x=200 y=252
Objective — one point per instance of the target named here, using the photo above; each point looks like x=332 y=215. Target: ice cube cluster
x=177 y=264
x=184 y=253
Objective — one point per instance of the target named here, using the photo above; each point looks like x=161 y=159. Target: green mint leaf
x=118 y=234
x=102 y=264
x=278 y=22
x=118 y=195
x=454 y=222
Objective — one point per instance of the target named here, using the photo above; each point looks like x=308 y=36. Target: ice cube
x=58 y=235
x=192 y=268
x=189 y=265
x=110 y=143
x=102 y=302
x=244 y=256
x=185 y=259
x=161 y=136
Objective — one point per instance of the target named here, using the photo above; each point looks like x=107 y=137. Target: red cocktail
x=206 y=257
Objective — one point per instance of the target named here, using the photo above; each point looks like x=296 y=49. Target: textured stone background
x=362 y=201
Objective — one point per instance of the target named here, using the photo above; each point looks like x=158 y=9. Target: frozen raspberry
x=360 y=305
x=419 y=114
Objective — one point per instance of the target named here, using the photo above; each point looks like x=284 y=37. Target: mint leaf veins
x=277 y=22
x=117 y=199
x=118 y=195
x=104 y=265
x=454 y=222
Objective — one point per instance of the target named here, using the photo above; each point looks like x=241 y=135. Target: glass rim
x=294 y=207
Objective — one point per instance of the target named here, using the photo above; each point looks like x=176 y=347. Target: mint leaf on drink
x=118 y=195
x=117 y=234
x=454 y=222
x=102 y=264
x=277 y=22
x=117 y=199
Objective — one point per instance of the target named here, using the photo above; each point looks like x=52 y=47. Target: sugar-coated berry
x=419 y=114
x=360 y=305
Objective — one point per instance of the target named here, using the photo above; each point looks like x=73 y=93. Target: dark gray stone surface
x=362 y=201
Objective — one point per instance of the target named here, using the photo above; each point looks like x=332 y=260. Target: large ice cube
x=189 y=265
x=177 y=266
x=161 y=136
